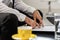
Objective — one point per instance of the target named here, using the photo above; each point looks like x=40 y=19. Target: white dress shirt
x=20 y=5
x=1 y=0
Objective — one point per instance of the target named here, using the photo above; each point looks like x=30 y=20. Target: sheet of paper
x=45 y=28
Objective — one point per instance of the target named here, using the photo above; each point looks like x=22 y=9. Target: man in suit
x=20 y=5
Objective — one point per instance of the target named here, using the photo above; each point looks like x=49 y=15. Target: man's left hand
x=36 y=15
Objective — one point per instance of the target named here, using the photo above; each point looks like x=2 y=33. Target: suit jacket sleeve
x=20 y=5
x=5 y=9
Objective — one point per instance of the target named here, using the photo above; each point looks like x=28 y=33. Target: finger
x=33 y=25
x=41 y=24
x=39 y=18
x=37 y=24
x=34 y=19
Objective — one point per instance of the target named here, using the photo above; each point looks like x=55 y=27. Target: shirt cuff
x=31 y=9
x=22 y=17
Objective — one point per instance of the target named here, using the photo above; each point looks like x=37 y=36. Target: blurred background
x=43 y=5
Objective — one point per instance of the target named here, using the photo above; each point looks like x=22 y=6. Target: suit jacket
x=18 y=4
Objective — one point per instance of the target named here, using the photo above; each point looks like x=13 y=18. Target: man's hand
x=31 y=22
x=36 y=15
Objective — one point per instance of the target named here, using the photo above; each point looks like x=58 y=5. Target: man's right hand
x=31 y=22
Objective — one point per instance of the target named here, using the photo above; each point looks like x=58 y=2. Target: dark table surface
x=44 y=35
